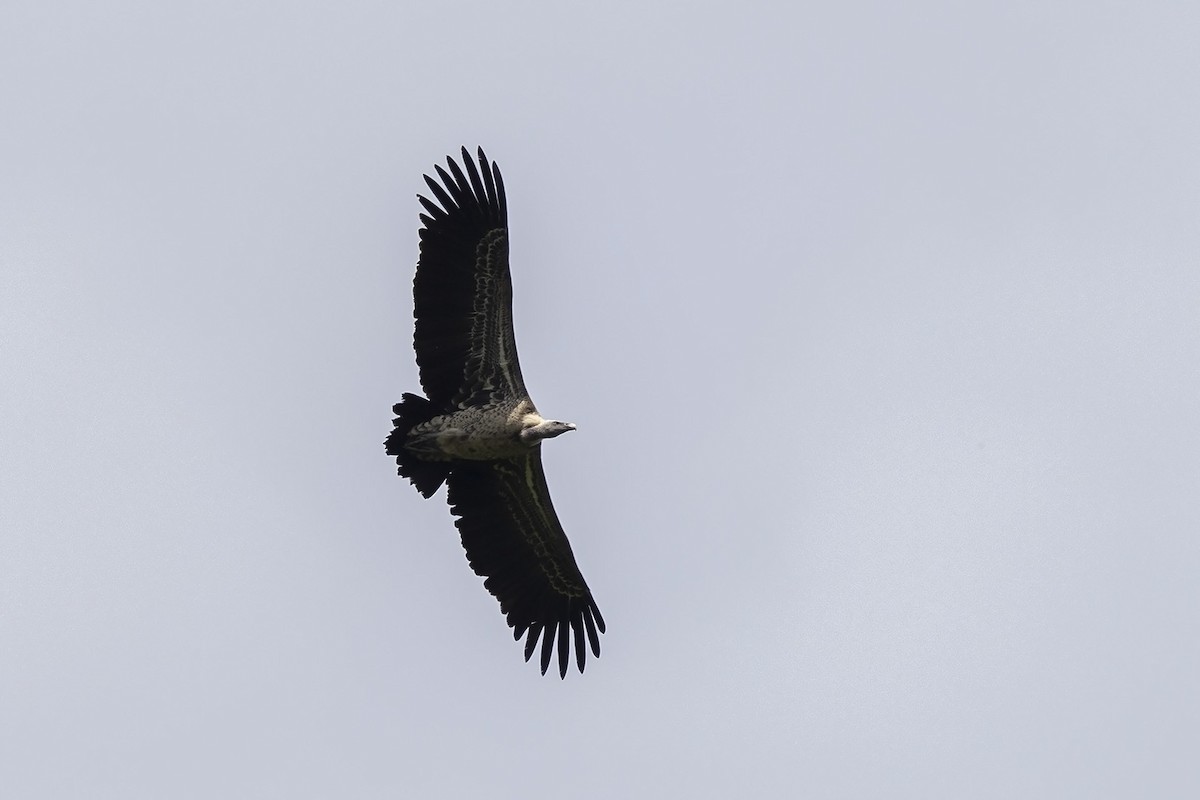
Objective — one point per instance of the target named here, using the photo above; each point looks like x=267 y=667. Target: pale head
x=536 y=430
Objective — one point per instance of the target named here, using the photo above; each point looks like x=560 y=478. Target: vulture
x=476 y=429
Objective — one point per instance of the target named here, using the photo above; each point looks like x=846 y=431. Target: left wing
x=515 y=542
x=462 y=293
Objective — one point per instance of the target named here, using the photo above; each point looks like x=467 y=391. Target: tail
x=427 y=476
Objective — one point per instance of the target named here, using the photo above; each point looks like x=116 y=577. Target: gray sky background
x=878 y=321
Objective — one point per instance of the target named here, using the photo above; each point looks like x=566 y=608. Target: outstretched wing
x=462 y=292
x=514 y=540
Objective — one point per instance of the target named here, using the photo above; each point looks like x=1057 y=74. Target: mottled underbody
x=482 y=433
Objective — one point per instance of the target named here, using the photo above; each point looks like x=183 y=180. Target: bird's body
x=485 y=433
x=477 y=430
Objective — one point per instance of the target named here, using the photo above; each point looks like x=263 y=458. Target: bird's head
x=545 y=429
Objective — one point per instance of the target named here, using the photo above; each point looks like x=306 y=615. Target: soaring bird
x=476 y=429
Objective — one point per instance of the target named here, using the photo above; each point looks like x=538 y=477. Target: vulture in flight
x=476 y=429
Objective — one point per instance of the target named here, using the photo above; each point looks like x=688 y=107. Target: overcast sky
x=879 y=322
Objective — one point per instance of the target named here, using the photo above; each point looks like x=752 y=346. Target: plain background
x=878 y=321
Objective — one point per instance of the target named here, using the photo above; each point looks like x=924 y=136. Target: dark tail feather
x=427 y=476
